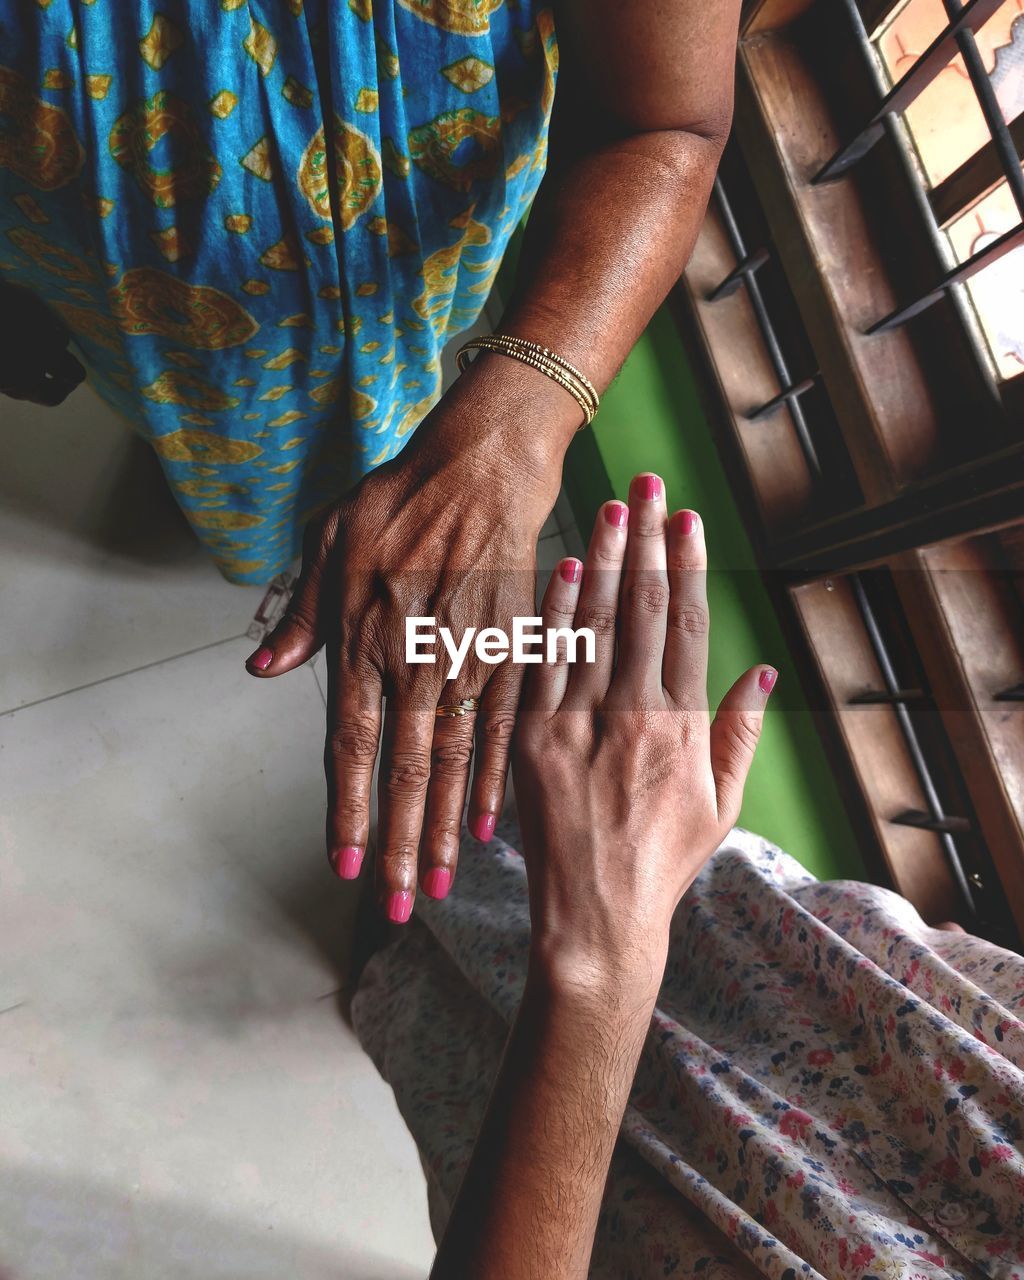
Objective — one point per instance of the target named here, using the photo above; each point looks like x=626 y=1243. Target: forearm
x=609 y=234
x=530 y=1199
x=641 y=112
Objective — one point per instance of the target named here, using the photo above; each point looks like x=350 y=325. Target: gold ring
x=448 y=710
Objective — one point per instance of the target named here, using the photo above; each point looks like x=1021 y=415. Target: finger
x=599 y=600
x=685 y=666
x=643 y=606
x=301 y=632
x=495 y=722
x=735 y=732
x=401 y=794
x=353 y=736
x=549 y=678
x=450 y=758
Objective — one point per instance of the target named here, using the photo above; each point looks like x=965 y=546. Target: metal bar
x=875 y=696
x=1005 y=244
x=764 y=324
x=910 y=736
x=738 y=275
x=900 y=152
x=1016 y=694
x=944 y=826
x=990 y=107
x=975 y=178
x=786 y=396
x=944 y=47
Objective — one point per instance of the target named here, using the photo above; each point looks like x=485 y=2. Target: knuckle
x=452 y=755
x=604 y=558
x=560 y=657
x=646 y=527
x=406 y=775
x=497 y=728
x=745 y=730
x=491 y=781
x=600 y=619
x=646 y=597
x=353 y=742
x=690 y=619
x=685 y=564
x=396 y=860
x=562 y=611
x=442 y=831
x=299 y=617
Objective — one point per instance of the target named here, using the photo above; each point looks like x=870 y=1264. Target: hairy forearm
x=530 y=1199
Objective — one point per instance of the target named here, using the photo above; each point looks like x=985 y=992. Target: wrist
x=581 y=979
x=506 y=416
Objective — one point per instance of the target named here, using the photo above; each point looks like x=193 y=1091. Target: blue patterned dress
x=262 y=221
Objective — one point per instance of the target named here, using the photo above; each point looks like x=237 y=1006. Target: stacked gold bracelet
x=566 y=375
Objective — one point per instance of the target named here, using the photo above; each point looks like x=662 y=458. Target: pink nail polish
x=688 y=521
x=483 y=827
x=617 y=514
x=570 y=570
x=347 y=861
x=261 y=659
x=766 y=680
x=399 y=907
x=437 y=882
x=648 y=487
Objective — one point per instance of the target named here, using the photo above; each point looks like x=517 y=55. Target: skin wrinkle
x=622 y=797
x=639 y=117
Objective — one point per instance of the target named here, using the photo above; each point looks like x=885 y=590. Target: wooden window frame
x=930 y=497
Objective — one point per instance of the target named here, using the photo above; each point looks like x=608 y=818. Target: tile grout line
x=146 y=666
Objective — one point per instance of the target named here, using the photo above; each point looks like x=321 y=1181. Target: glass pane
x=997 y=293
x=945 y=121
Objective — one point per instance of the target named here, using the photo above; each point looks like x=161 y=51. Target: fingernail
x=617 y=514
x=483 y=827
x=688 y=521
x=347 y=861
x=261 y=659
x=648 y=487
x=766 y=680
x=399 y=907
x=437 y=882
x=570 y=570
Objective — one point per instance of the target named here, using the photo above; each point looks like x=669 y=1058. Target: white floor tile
x=100 y=572
x=181 y=1096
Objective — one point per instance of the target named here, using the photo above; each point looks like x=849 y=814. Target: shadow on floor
x=130 y=1233
x=80 y=471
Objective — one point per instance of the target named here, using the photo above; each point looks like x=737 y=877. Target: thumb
x=300 y=633
x=735 y=732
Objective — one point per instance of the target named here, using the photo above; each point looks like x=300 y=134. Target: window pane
x=945 y=121
x=997 y=293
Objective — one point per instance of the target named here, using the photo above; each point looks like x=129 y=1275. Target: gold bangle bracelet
x=493 y=340
x=542 y=359
x=509 y=345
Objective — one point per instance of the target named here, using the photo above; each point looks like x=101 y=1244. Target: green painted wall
x=651 y=420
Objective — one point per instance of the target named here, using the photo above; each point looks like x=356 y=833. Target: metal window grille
x=1000 y=158
x=947 y=813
